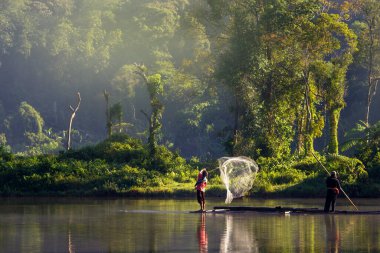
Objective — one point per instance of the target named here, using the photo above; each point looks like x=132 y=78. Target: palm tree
x=363 y=137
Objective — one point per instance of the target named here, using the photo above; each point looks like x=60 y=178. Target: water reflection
x=166 y=226
x=70 y=243
x=237 y=236
x=332 y=234
x=202 y=234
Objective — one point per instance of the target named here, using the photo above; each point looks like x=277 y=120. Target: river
x=164 y=225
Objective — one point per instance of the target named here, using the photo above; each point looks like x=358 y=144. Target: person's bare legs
x=203 y=201
x=200 y=200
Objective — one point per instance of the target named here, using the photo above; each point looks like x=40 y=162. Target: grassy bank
x=121 y=166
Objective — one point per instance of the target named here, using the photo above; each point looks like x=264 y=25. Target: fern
x=363 y=136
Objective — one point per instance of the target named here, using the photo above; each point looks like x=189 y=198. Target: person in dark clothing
x=333 y=189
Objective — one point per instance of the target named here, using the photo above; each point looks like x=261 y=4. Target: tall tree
x=269 y=63
x=154 y=86
x=368 y=29
x=155 y=89
x=108 y=113
x=116 y=115
x=341 y=43
x=113 y=113
x=260 y=66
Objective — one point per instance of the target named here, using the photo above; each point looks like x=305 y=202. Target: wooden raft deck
x=286 y=210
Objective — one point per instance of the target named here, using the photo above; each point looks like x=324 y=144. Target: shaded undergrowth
x=121 y=166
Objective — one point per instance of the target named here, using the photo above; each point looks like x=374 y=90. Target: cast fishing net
x=237 y=174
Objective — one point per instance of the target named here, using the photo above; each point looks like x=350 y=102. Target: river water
x=152 y=225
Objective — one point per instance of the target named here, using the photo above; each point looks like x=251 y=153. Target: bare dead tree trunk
x=73 y=112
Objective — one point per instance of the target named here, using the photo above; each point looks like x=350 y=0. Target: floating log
x=287 y=210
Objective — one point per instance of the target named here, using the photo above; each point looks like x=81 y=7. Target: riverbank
x=187 y=191
x=122 y=166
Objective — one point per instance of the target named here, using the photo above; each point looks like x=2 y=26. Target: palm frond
x=351 y=143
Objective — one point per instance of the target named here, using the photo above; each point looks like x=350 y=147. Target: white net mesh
x=237 y=174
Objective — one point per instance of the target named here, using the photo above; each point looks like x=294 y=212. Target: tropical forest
x=134 y=97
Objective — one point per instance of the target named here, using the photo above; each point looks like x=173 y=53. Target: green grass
x=121 y=166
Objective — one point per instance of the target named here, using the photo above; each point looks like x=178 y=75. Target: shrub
x=118 y=148
x=350 y=170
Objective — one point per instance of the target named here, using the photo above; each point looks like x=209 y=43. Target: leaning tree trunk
x=73 y=112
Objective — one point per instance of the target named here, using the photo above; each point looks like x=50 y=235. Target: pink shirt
x=202 y=185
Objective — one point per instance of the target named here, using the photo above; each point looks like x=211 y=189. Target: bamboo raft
x=285 y=210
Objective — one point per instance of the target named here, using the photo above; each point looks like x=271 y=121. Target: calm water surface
x=129 y=225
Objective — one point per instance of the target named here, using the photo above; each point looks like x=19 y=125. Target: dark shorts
x=200 y=196
x=332 y=194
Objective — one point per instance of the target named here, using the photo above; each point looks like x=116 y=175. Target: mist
x=52 y=49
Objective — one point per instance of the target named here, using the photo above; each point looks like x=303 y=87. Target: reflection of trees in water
x=70 y=244
x=97 y=226
x=237 y=236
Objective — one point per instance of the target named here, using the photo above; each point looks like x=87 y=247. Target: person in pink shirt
x=200 y=185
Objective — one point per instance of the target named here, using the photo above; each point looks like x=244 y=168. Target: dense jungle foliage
x=133 y=96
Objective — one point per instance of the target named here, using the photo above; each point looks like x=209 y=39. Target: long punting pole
x=341 y=187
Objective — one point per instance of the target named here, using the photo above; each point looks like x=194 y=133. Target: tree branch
x=141 y=71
